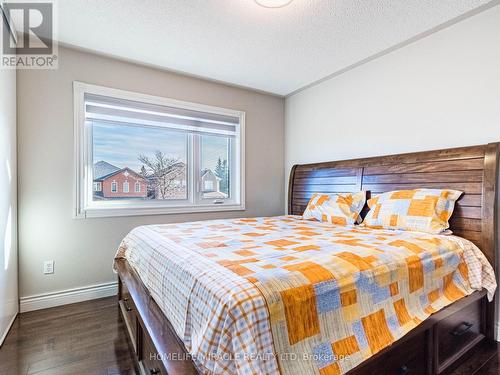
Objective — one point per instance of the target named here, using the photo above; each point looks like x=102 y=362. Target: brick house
x=113 y=182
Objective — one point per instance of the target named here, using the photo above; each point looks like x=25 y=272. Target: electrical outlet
x=48 y=267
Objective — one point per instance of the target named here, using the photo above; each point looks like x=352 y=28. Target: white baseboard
x=65 y=297
x=4 y=335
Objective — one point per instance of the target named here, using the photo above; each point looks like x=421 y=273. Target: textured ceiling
x=237 y=41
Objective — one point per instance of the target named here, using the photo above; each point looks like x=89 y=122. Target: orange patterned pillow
x=422 y=210
x=340 y=209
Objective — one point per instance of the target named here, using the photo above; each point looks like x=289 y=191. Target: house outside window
x=209 y=185
x=181 y=156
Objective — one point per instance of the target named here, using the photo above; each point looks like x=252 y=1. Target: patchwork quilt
x=286 y=295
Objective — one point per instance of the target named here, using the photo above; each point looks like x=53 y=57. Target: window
x=209 y=186
x=183 y=157
x=97 y=186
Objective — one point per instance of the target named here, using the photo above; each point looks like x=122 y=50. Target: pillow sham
x=421 y=210
x=340 y=209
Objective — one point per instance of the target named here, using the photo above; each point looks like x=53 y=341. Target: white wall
x=8 y=201
x=441 y=91
x=83 y=249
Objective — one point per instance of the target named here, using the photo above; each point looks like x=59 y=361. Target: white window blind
x=106 y=109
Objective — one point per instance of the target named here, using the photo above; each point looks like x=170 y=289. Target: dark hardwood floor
x=90 y=338
x=82 y=338
x=484 y=360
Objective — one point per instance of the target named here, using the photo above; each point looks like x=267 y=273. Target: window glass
x=215 y=167
x=155 y=156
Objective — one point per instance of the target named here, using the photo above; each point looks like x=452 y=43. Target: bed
x=163 y=308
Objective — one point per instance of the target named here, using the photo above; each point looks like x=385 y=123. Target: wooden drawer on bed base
x=146 y=325
x=457 y=334
x=129 y=314
x=149 y=358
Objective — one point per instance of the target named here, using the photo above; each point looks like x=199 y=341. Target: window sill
x=117 y=212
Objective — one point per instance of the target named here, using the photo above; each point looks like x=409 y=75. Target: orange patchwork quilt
x=334 y=295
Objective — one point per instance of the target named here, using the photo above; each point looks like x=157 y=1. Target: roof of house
x=177 y=169
x=207 y=171
x=104 y=177
x=103 y=168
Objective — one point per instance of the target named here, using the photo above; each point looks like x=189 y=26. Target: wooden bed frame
x=434 y=347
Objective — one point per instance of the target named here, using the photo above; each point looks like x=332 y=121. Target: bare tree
x=162 y=172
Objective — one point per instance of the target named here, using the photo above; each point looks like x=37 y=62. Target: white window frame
x=115 y=184
x=127 y=185
x=86 y=207
x=97 y=186
x=136 y=190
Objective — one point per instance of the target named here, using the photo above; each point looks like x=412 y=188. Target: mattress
x=286 y=295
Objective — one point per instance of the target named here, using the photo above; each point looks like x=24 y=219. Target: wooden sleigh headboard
x=473 y=170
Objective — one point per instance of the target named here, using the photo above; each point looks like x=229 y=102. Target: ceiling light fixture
x=273 y=3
